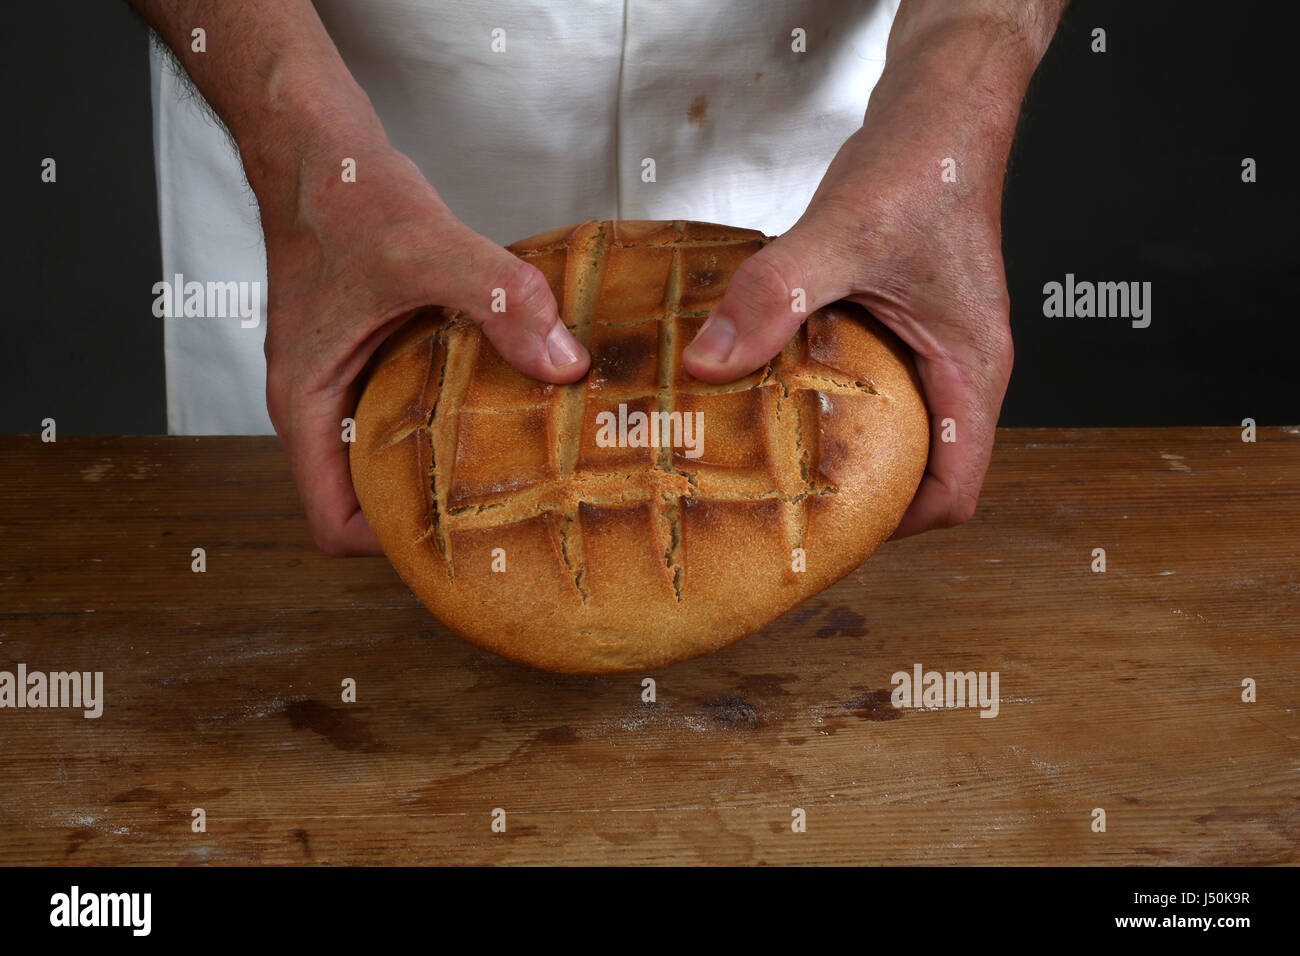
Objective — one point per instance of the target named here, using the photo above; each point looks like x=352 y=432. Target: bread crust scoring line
x=564 y=497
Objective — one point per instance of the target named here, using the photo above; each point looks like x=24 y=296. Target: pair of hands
x=359 y=259
x=349 y=262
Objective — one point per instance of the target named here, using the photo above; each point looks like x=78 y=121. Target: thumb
x=511 y=301
x=768 y=298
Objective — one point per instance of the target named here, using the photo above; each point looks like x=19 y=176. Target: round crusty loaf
x=502 y=503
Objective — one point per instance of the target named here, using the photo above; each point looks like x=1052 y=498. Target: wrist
x=952 y=88
x=274 y=77
x=960 y=66
x=305 y=121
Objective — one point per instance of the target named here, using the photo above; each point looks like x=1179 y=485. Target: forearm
x=273 y=75
x=954 y=79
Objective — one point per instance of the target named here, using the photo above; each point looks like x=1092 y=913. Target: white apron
x=552 y=130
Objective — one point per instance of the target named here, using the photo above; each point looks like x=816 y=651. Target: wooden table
x=1119 y=690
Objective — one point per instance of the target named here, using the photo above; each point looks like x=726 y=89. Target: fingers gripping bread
x=543 y=523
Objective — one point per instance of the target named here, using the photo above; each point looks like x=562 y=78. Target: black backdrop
x=1127 y=168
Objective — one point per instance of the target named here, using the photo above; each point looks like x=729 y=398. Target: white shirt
x=551 y=130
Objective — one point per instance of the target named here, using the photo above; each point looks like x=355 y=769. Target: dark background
x=1127 y=167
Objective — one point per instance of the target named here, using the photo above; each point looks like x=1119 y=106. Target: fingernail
x=561 y=346
x=715 y=340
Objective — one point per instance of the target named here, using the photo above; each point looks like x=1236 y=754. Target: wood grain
x=1119 y=690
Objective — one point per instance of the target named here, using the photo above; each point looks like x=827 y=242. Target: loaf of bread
x=638 y=516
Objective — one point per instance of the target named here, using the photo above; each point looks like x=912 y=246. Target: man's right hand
x=347 y=262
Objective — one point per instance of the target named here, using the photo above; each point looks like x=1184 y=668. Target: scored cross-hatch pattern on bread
x=622 y=545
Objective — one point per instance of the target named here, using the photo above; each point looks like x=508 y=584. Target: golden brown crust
x=629 y=558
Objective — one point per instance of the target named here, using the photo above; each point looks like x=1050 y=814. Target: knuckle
x=962 y=508
x=329 y=542
x=524 y=286
x=1000 y=347
x=277 y=397
x=990 y=352
x=765 y=278
x=400 y=248
x=1006 y=355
